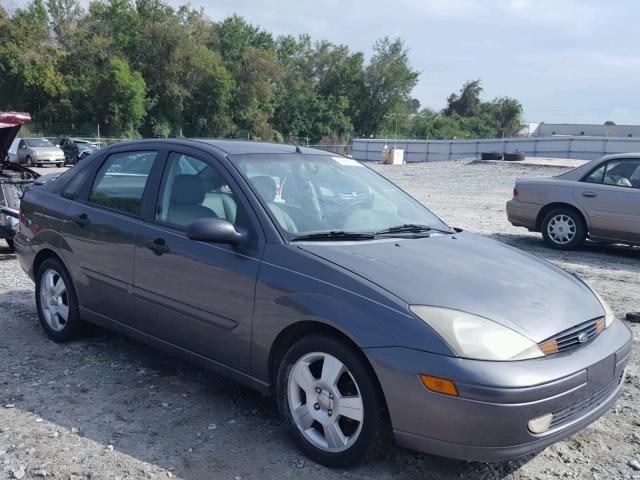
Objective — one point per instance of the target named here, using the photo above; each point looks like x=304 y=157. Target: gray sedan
x=39 y=152
x=307 y=276
x=599 y=200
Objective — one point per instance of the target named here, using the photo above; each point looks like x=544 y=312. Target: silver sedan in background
x=599 y=200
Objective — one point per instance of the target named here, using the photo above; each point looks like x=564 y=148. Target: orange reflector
x=440 y=385
x=599 y=325
x=549 y=347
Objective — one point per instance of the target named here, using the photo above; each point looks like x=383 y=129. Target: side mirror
x=214 y=230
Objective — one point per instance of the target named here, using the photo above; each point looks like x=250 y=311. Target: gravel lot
x=110 y=408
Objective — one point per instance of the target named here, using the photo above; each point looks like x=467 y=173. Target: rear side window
x=72 y=189
x=121 y=180
x=620 y=173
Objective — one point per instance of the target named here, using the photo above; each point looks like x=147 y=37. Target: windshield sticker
x=347 y=162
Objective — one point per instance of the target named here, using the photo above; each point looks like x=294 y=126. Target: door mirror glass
x=214 y=230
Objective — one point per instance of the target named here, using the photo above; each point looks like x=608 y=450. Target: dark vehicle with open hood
x=307 y=275
x=76 y=149
x=14 y=179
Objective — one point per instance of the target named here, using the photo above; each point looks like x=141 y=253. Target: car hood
x=472 y=274
x=10 y=123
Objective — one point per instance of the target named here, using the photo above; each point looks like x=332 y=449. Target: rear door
x=610 y=194
x=100 y=230
x=197 y=295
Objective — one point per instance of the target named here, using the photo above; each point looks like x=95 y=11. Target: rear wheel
x=57 y=302
x=564 y=229
x=329 y=401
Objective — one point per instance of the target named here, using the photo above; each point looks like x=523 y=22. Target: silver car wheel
x=325 y=402
x=561 y=229
x=54 y=300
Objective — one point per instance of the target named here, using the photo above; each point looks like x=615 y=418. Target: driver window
x=192 y=189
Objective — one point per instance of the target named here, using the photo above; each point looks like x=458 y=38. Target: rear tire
x=57 y=302
x=329 y=401
x=564 y=229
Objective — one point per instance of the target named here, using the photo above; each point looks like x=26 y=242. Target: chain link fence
x=106 y=135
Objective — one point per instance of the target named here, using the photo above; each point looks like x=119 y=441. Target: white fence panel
x=578 y=147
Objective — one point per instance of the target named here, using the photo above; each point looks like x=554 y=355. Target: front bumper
x=488 y=420
x=522 y=214
x=44 y=160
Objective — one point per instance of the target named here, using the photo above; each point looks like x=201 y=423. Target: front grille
x=578 y=409
x=573 y=337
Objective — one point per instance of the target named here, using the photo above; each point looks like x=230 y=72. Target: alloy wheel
x=325 y=402
x=54 y=300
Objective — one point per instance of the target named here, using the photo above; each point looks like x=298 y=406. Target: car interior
x=191 y=189
x=623 y=173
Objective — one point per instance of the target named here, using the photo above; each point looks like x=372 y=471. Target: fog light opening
x=540 y=424
x=439 y=385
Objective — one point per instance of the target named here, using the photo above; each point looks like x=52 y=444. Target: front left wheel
x=57 y=302
x=329 y=400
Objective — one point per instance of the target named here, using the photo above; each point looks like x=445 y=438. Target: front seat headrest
x=188 y=189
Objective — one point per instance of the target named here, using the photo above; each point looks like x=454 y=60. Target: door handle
x=589 y=194
x=82 y=219
x=157 y=246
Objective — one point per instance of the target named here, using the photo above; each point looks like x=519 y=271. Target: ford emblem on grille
x=583 y=337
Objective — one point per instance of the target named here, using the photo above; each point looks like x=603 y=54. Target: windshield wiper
x=334 y=235
x=410 y=228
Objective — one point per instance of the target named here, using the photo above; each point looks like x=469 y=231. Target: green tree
x=386 y=82
x=121 y=103
x=467 y=102
x=64 y=16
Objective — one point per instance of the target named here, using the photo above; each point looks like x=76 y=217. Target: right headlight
x=609 y=316
x=474 y=337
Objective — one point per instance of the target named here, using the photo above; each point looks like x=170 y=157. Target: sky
x=565 y=60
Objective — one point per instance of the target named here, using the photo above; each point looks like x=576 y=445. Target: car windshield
x=38 y=142
x=324 y=193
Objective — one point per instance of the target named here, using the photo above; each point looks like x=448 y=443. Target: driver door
x=198 y=296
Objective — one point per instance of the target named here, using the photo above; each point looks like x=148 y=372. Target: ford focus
x=306 y=275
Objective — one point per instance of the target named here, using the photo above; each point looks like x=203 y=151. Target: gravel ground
x=110 y=408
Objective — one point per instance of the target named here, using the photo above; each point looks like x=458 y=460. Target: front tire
x=29 y=161
x=329 y=401
x=11 y=244
x=57 y=302
x=564 y=229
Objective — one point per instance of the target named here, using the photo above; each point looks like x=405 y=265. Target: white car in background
x=39 y=152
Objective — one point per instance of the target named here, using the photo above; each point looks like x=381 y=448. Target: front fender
x=287 y=294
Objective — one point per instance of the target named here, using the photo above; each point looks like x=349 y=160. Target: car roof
x=241 y=147
x=234 y=147
x=620 y=156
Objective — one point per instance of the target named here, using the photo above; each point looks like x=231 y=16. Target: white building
x=552 y=129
